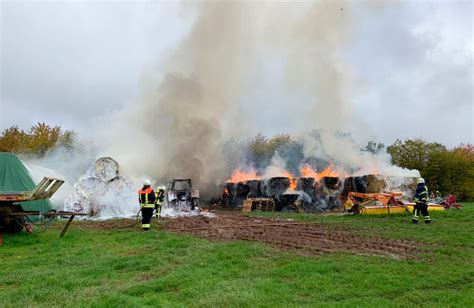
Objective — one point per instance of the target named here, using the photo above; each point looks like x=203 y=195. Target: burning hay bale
x=288 y=203
x=227 y=196
x=255 y=189
x=276 y=186
x=365 y=184
x=355 y=184
x=305 y=195
x=375 y=183
x=306 y=184
x=309 y=194
x=234 y=194
x=297 y=201
x=310 y=187
x=102 y=192
x=330 y=190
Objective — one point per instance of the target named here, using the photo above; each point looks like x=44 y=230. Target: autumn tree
x=37 y=141
x=14 y=139
x=452 y=172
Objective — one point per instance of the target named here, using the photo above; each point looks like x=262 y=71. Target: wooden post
x=67 y=226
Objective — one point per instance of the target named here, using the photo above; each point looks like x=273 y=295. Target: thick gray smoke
x=202 y=92
x=175 y=127
x=315 y=71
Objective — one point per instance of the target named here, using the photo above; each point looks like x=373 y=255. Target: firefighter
x=146 y=198
x=421 y=202
x=160 y=197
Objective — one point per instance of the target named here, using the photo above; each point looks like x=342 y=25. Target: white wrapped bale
x=103 y=192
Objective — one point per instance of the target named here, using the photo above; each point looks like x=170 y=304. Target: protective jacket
x=146 y=197
x=421 y=194
x=421 y=204
x=160 y=196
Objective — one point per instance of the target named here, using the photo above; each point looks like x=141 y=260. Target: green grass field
x=128 y=267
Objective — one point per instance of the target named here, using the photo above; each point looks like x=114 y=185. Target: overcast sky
x=68 y=63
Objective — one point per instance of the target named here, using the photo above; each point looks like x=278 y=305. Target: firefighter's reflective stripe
x=145 y=225
x=423 y=195
x=427 y=218
x=415 y=217
x=147 y=205
x=160 y=196
x=145 y=202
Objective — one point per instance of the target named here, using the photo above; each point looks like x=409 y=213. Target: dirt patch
x=299 y=237
x=303 y=238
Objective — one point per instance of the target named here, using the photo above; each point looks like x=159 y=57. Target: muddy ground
x=299 y=237
x=302 y=238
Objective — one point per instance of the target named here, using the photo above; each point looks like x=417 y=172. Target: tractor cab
x=181 y=196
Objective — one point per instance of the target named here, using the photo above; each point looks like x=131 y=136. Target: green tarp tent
x=15 y=177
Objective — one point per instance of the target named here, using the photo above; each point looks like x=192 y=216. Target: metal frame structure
x=12 y=213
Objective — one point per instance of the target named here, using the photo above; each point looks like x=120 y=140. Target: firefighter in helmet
x=146 y=198
x=421 y=202
x=160 y=197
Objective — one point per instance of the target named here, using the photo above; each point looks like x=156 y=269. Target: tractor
x=181 y=196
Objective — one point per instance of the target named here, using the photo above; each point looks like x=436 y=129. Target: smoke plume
x=202 y=93
x=175 y=127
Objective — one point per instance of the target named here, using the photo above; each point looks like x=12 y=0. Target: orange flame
x=240 y=175
x=226 y=192
x=292 y=180
x=329 y=171
x=307 y=171
x=293 y=184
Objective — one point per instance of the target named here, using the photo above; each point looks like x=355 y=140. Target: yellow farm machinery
x=383 y=203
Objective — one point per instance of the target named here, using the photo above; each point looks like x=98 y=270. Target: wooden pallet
x=258 y=204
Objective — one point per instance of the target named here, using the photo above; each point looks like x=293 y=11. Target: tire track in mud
x=302 y=238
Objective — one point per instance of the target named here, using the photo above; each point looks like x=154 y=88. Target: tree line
x=36 y=141
x=445 y=170
x=449 y=171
